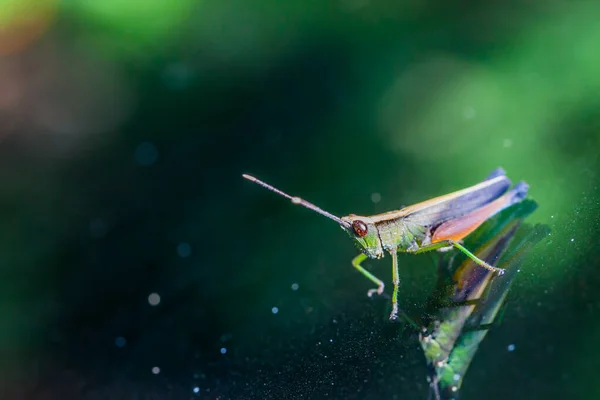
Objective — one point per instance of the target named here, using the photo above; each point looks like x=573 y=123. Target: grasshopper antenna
x=297 y=200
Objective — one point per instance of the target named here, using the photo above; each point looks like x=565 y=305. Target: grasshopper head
x=364 y=233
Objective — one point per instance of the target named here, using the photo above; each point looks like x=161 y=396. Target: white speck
x=507 y=143
x=146 y=154
x=184 y=250
x=330 y=340
x=296 y=200
x=177 y=76
x=375 y=197
x=156 y=370
x=196 y=389
x=454 y=388
x=120 y=341
x=572 y=239
x=456 y=377
x=511 y=347
x=223 y=350
x=469 y=113
x=154 y=299
x=295 y=286
x=552 y=216
x=274 y=310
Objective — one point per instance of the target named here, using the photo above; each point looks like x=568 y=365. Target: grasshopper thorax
x=364 y=233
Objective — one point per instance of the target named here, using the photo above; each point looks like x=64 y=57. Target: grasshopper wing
x=444 y=208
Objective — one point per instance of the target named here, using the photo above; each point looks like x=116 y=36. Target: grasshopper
x=436 y=224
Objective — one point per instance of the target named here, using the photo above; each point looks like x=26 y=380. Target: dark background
x=125 y=130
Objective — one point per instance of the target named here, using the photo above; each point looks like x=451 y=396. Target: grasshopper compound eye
x=360 y=228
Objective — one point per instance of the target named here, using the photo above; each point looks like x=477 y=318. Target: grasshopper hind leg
x=449 y=247
x=457 y=245
x=380 y=285
x=477 y=260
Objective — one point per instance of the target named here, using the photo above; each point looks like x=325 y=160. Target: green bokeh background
x=332 y=101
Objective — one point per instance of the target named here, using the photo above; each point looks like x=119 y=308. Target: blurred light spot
x=184 y=250
x=511 y=347
x=23 y=21
x=196 y=389
x=469 y=113
x=177 y=76
x=375 y=197
x=76 y=95
x=274 y=310
x=355 y=5
x=156 y=370
x=129 y=28
x=456 y=377
x=507 y=143
x=146 y=154
x=223 y=350
x=98 y=228
x=154 y=299
x=572 y=239
x=295 y=286
x=447 y=87
x=225 y=337
x=120 y=341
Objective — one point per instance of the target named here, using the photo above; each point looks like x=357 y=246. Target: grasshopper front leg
x=356 y=264
x=396 y=281
x=379 y=290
